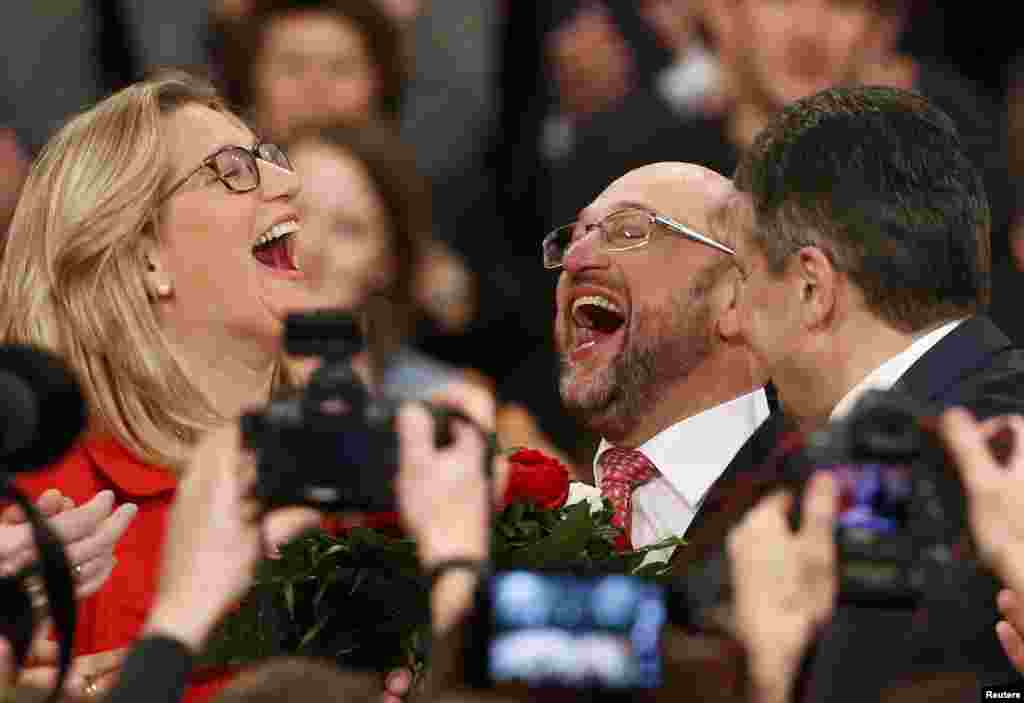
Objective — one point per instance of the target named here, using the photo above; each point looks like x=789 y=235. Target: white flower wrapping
x=579 y=492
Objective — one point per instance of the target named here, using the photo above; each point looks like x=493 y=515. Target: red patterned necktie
x=622 y=471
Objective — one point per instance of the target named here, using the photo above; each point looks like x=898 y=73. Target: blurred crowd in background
x=451 y=135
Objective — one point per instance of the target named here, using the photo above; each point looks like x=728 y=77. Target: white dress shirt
x=885 y=376
x=690 y=455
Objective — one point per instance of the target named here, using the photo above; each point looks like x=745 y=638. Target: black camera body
x=332 y=445
x=902 y=518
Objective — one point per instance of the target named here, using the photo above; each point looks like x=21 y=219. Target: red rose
x=538 y=478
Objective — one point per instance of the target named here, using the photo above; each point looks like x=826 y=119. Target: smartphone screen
x=564 y=631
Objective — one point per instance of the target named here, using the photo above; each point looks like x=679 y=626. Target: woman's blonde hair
x=73 y=269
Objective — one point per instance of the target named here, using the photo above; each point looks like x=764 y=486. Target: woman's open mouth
x=275 y=248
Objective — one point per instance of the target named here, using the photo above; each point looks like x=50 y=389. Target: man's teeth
x=597 y=300
x=278 y=231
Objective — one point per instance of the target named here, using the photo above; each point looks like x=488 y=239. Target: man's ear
x=818 y=285
x=726 y=304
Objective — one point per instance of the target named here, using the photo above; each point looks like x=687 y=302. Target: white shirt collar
x=885 y=376
x=694 y=452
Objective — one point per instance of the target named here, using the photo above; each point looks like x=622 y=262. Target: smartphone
x=550 y=631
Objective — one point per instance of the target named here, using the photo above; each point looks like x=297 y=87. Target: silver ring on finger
x=91 y=689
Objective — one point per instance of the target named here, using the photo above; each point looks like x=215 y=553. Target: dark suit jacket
x=864 y=650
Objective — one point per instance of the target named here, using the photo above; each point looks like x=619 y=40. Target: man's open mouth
x=596 y=319
x=274 y=248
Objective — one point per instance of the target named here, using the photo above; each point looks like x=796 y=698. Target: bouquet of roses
x=355 y=594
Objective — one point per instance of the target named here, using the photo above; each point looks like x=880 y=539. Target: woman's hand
x=784 y=582
x=91 y=675
x=89 y=533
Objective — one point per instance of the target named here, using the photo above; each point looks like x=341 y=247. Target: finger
x=50 y=502
x=48 y=505
x=16 y=548
x=766 y=520
x=962 y=437
x=105 y=538
x=104 y=683
x=94 y=574
x=68 y=504
x=1012 y=643
x=44 y=677
x=6 y=663
x=772 y=506
x=84 y=520
x=398 y=682
x=12 y=515
x=820 y=504
x=1009 y=604
x=416 y=435
x=472 y=399
x=281 y=526
x=94 y=665
x=499 y=481
x=43 y=651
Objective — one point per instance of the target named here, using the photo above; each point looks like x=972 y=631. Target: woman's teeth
x=277 y=231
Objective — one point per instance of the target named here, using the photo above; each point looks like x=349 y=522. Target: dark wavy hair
x=879 y=180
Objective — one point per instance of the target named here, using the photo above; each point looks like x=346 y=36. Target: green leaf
x=312 y=633
x=289 y=599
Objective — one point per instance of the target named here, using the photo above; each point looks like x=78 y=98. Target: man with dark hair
x=862 y=235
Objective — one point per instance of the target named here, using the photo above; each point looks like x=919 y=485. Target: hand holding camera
x=784 y=582
x=444 y=493
x=995 y=501
x=213 y=540
x=994 y=488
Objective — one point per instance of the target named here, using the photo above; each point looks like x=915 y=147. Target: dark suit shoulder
x=975 y=366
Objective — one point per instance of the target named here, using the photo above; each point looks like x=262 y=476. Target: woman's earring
x=163 y=290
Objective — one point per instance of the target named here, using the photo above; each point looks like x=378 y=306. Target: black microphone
x=42 y=410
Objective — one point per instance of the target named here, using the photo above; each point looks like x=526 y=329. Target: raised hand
x=213 y=540
x=784 y=582
x=89 y=533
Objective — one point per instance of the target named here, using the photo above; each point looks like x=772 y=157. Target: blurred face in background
x=346 y=225
x=788 y=49
x=312 y=66
x=402 y=11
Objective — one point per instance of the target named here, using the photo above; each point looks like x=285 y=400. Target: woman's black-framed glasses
x=236 y=167
x=622 y=230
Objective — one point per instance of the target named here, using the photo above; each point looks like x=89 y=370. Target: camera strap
x=57 y=580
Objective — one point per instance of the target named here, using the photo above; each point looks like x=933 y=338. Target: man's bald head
x=685 y=192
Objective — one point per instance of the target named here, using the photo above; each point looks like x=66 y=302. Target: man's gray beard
x=662 y=350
